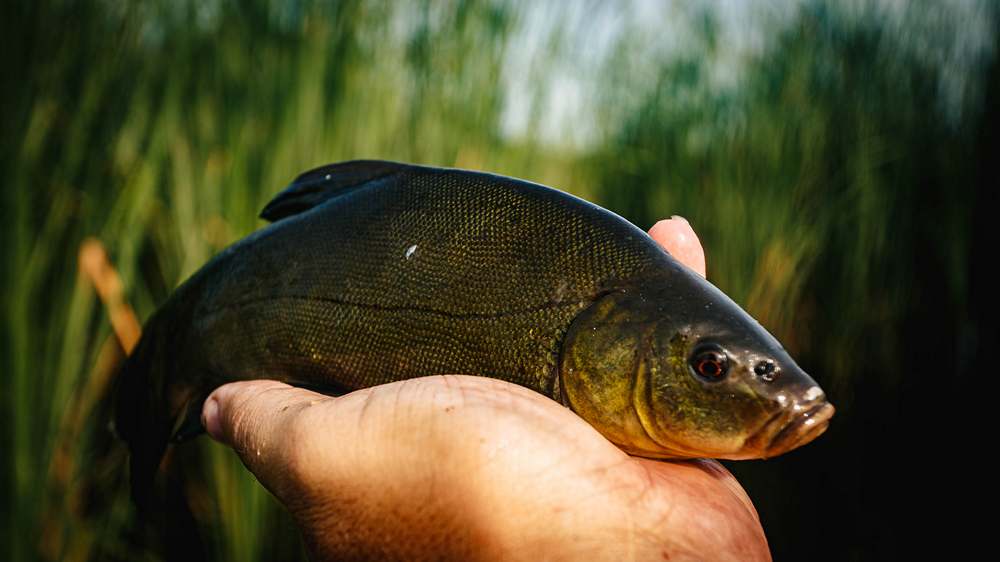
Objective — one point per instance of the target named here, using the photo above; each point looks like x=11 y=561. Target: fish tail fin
x=145 y=420
x=141 y=420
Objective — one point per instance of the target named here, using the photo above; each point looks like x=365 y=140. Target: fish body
x=374 y=272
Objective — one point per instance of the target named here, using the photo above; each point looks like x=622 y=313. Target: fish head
x=678 y=370
x=718 y=384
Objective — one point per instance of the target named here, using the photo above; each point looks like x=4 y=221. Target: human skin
x=471 y=468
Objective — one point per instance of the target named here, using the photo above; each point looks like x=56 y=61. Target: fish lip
x=799 y=428
x=762 y=438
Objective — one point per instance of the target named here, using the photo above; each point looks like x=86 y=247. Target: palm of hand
x=463 y=467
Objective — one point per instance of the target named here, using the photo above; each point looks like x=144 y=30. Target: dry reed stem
x=96 y=267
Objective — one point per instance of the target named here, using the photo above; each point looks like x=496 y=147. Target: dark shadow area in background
x=891 y=481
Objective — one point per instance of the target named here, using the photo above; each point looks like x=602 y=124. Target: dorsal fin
x=323 y=183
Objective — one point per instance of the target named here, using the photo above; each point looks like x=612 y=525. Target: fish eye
x=710 y=363
x=765 y=370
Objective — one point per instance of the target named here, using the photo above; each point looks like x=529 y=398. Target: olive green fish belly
x=347 y=346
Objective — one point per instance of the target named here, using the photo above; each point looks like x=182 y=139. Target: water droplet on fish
x=782 y=399
x=410 y=250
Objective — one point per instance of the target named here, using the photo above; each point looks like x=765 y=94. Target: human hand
x=462 y=467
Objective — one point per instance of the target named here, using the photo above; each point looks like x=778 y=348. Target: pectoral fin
x=188 y=424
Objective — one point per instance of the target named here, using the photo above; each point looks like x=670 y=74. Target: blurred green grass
x=162 y=128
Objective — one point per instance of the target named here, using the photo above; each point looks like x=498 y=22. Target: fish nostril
x=766 y=371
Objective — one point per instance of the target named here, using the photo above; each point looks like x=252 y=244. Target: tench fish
x=377 y=271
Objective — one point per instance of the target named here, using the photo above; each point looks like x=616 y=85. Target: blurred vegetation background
x=837 y=159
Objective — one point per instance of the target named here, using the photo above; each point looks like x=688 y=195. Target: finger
x=677 y=237
x=256 y=418
x=237 y=414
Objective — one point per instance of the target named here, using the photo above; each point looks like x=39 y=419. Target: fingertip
x=210 y=419
x=232 y=400
x=677 y=237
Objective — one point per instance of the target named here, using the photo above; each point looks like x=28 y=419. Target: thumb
x=260 y=420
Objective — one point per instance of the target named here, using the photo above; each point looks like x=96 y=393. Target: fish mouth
x=791 y=428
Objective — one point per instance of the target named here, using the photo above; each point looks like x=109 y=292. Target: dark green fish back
x=419 y=271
